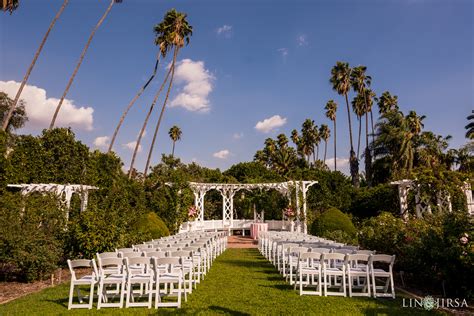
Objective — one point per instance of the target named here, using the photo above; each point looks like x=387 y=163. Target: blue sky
x=247 y=61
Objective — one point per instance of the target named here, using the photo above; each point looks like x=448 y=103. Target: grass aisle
x=241 y=282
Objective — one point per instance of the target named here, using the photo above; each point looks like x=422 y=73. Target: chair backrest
x=156 y=254
x=349 y=247
x=107 y=263
x=124 y=249
x=321 y=250
x=297 y=250
x=104 y=255
x=82 y=263
x=141 y=261
x=343 y=251
x=133 y=254
x=383 y=259
x=357 y=258
x=181 y=254
x=365 y=252
x=310 y=255
x=333 y=256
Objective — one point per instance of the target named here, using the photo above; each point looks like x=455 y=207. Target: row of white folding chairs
x=196 y=261
x=355 y=273
x=115 y=279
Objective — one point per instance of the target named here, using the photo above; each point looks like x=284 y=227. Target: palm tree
x=81 y=58
x=358 y=106
x=132 y=102
x=325 y=133
x=331 y=109
x=11 y=5
x=470 y=126
x=308 y=138
x=341 y=83
x=317 y=141
x=387 y=102
x=175 y=135
x=176 y=31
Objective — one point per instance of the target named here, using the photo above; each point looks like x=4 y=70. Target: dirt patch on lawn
x=10 y=291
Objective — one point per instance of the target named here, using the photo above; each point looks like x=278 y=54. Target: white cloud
x=342 y=165
x=283 y=51
x=225 y=30
x=197 y=80
x=302 y=40
x=270 y=124
x=223 y=154
x=102 y=142
x=40 y=109
x=238 y=135
x=131 y=146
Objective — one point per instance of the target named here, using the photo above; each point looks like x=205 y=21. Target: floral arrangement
x=289 y=213
x=192 y=212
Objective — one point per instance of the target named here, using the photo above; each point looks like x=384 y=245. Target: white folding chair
x=187 y=260
x=379 y=272
x=357 y=270
x=144 y=277
x=111 y=272
x=293 y=261
x=309 y=267
x=167 y=275
x=89 y=279
x=334 y=272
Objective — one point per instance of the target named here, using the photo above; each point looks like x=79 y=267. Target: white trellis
x=466 y=188
x=64 y=192
x=228 y=190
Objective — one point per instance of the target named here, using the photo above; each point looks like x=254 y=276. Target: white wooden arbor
x=228 y=191
x=443 y=199
x=64 y=192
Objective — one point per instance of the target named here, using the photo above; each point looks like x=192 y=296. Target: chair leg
x=344 y=284
x=122 y=293
x=71 y=295
x=101 y=293
x=373 y=285
x=91 y=295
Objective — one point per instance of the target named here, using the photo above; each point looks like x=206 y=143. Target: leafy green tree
x=175 y=135
x=81 y=58
x=341 y=83
x=18 y=117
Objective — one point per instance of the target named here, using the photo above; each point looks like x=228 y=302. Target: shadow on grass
x=281 y=287
x=227 y=310
x=63 y=302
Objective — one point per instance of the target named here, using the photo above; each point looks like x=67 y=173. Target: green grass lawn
x=241 y=282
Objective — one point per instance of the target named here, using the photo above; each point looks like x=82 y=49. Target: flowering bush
x=192 y=212
x=289 y=213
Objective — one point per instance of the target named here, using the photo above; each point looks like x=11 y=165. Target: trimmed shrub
x=333 y=220
x=152 y=226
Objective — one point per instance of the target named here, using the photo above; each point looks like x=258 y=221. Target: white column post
x=305 y=226
x=403 y=196
x=298 y=211
x=466 y=188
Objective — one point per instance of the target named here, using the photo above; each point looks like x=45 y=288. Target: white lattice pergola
x=228 y=191
x=64 y=192
x=422 y=202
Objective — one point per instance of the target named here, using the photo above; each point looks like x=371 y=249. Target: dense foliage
x=335 y=225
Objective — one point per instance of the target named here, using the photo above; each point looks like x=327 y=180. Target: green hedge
x=152 y=226
x=333 y=223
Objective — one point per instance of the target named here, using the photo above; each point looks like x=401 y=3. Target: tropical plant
x=308 y=138
x=325 y=133
x=358 y=106
x=331 y=109
x=81 y=58
x=341 y=83
x=176 y=31
x=11 y=5
x=470 y=126
x=175 y=135
x=387 y=103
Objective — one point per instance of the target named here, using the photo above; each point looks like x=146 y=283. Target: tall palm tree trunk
x=325 y=150
x=162 y=112
x=368 y=154
x=372 y=123
x=314 y=156
x=140 y=136
x=122 y=118
x=81 y=58
x=28 y=72
x=335 y=145
x=172 y=152
x=358 y=142
x=353 y=161
x=317 y=153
